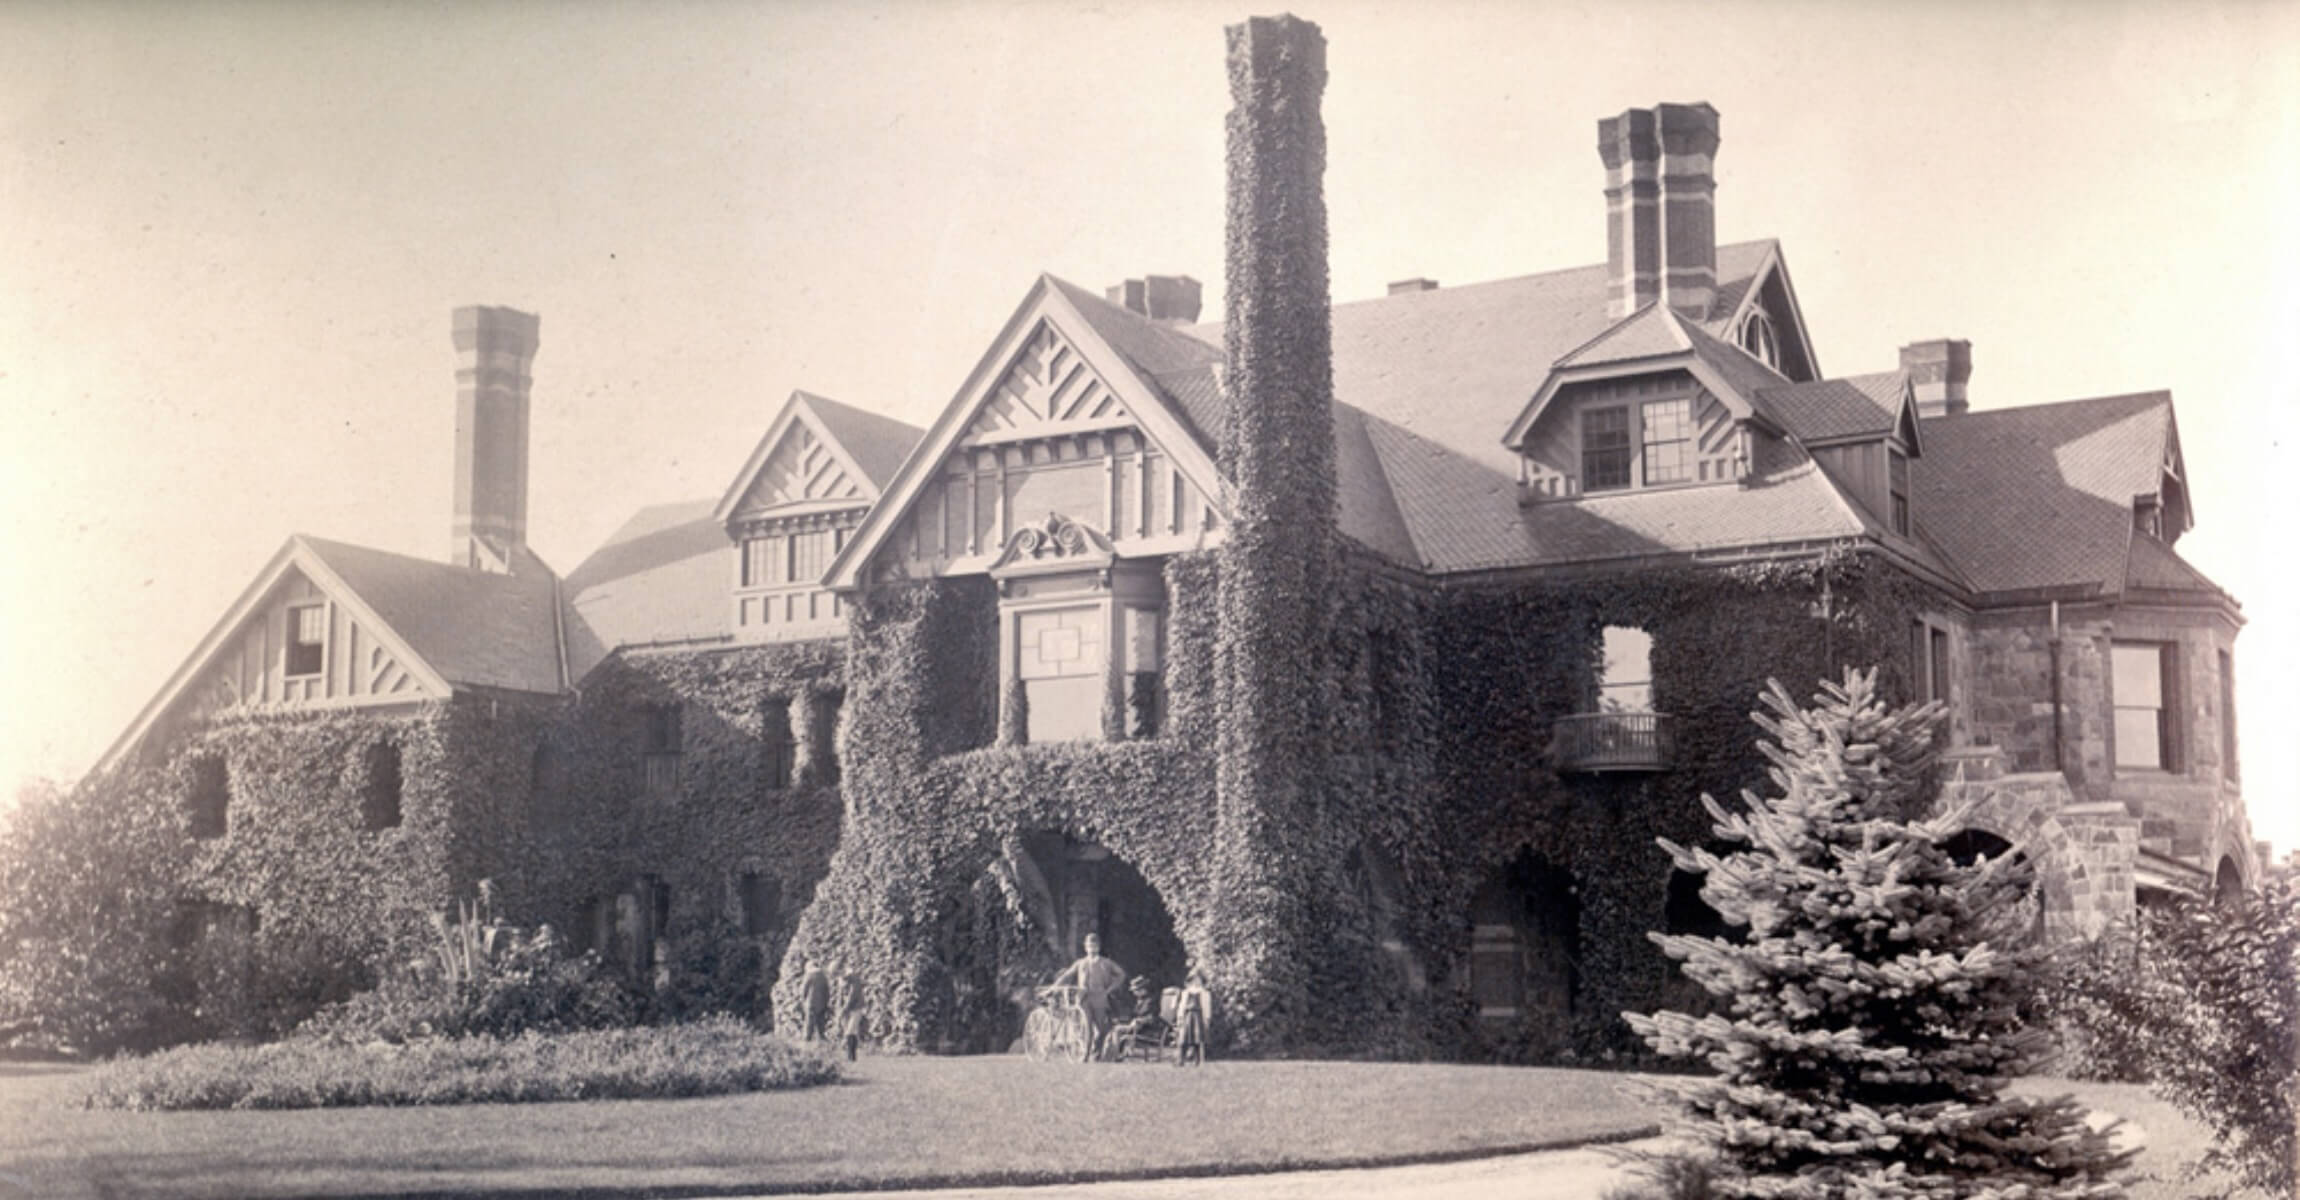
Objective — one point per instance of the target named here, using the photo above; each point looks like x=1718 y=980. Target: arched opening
x=2227 y=883
x=1524 y=959
x=1026 y=917
x=1968 y=846
x=1683 y=911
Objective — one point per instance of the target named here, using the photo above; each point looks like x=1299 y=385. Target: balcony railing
x=1622 y=741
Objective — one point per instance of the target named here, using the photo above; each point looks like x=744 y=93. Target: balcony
x=1616 y=741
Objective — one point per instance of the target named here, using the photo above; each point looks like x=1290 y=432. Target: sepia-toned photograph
x=1037 y=599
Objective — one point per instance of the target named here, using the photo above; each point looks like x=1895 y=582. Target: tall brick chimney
x=1660 y=208
x=1938 y=372
x=493 y=348
x=1173 y=298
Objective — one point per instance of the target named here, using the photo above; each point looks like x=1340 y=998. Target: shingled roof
x=476 y=628
x=2040 y=497
x=1831 y=409
x=662 y=577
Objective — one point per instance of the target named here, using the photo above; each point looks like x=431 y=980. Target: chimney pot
x=1939 y=371
x=1403 y=286
x=1173 y=298
x=493 y=348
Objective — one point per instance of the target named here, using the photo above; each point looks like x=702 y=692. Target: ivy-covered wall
x=318 y=886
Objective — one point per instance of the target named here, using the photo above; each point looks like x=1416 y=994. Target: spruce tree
x=1872 y=983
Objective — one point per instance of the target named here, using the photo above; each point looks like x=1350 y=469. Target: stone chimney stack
x=493 y=348
x=1172 y=298
x=1660 y=208
x=1938 y=372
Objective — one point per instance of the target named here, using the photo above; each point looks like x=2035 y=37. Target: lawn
x=896 y=1121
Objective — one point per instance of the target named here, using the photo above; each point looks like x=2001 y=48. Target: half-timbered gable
x=301 y=648
x=1057 y=422
x=806 y=488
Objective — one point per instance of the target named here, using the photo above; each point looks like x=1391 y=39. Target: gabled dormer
x=1862 y=431
x=806 y=487
x=1654 y=402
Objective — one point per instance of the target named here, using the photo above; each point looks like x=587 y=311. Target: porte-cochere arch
x=2024 y=818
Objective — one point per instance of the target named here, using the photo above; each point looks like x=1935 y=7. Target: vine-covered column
x=1279 y=560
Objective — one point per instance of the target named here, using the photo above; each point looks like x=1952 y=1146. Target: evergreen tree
x=1873 y=983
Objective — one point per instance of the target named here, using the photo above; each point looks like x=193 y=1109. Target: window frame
x=1647 y=443
x=293 y=643
x=2168 y=758
x=1897 y=489
x=1627 y=449
x=2228 y=757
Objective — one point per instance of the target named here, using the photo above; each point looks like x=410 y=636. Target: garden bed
x=706 y=1058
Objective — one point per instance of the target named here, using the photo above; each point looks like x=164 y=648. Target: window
x=1758 y=339
x=1929 y=665
x=1605 y=449
x=1145 y=691
x=766 y=560
x=662 y=756
x=2141 y=674
x=826 y=737
x=2227 y=715
x=1625 y=679
x=306 y=639
x=777 y=752
x=209 y=802
x=379 y=797
x=761 y=899
x=1060 y=657
x=1897 y=482
x=810 y=555
x=1668 y=451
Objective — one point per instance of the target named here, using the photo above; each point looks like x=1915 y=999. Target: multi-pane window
x=1897 y=482
x=1607 y=447
x=1060 y=657
x=306 y=639
x=661 y=761
x=1757 y=338
x=777 y=558
x=1929 y=667
x=766 y=560
x=2141 y=676
x=1668 y=451
x=810 y=555
x=1625 y=681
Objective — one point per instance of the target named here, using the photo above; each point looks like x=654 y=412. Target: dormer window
x=1756 y=336
x=306 y=639
x=1668 y=452
x=1646 y=444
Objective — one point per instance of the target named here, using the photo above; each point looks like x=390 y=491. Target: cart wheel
x=1038 y=1034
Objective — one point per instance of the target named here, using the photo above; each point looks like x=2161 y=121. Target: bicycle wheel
x=1075 y=1042
x=1038 y=1034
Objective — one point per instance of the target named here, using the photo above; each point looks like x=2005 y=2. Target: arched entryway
x=1684 y=911
x=1024 y=917
x=2227 y=883
x=1524 y=959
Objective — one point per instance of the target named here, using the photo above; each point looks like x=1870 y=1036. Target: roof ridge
x=2157 y=395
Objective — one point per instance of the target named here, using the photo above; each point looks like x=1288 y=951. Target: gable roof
x=1655 y=338
x=448 y=626
x=868 y=446
x=1090 y=323
x=663 y=577
x=1849 y=409
x=2040 y=497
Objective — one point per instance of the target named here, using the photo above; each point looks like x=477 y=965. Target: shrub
x=89 y=885
x=713 y=970
x=1875 y=1016
x=705 y=1058
x=2202 y=1003
x=480 y=975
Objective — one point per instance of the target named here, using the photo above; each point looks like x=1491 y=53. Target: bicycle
x=1056 y=1028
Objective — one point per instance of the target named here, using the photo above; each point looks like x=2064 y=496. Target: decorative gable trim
x=1043 y=309
x=1743 y=407
x=812 y=463
x=1791 y=323
x=297 y=555
x=1055 y=544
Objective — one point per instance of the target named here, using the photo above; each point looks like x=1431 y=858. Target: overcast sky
x=233 y=234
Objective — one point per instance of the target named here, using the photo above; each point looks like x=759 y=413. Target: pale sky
x=234 y=232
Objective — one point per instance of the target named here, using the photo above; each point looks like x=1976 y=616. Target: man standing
x=1097 y=977
x=814 y=1001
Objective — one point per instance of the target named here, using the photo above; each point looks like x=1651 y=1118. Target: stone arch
x=1012 y=907
x=2228 y=882
x=2027 y=819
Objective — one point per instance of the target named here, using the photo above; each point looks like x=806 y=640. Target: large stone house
x=1371 y=704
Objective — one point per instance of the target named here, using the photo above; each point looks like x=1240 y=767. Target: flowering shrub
x=480 y=975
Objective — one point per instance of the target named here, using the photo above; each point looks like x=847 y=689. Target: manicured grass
x=896 y=1121
x=2170 y=1142
x=706 y=1058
